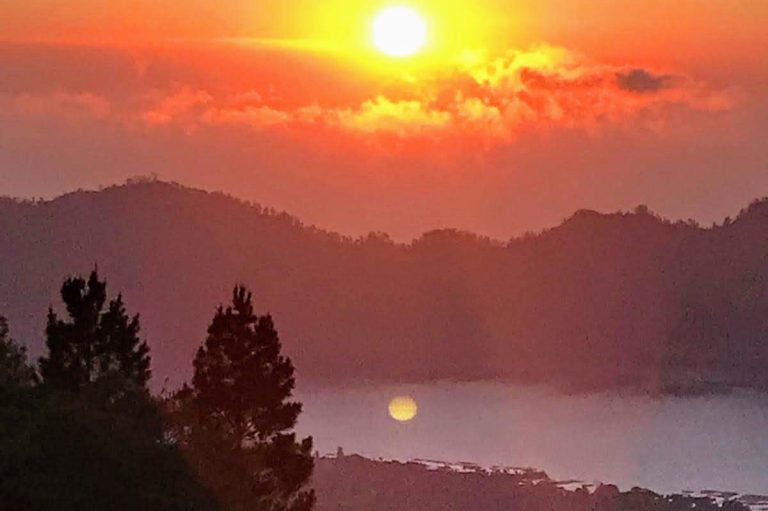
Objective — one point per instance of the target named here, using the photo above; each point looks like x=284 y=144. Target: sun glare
x=399 y=32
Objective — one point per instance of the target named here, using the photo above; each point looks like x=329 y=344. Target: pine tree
x=240 y=418
x=95 y=341
x=65 y=452
x=102 y=443
x=14 y=370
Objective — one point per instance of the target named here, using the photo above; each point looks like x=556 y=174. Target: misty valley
x=670 y=445
x=612 y=362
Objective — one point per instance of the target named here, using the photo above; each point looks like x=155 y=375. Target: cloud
x=400 y=117
x=254 y=116
x=176 y=106
x=484 y=98
x=489 y=98
x=524 y=138
x=57 y=104
x=642 y=81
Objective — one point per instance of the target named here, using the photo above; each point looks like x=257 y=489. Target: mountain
x=600 y=301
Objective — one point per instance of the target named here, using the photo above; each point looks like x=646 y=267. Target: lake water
x=668 y=445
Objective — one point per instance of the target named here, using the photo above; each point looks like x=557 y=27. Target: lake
x=669 y=444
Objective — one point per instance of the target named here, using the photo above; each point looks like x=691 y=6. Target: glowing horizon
x=460 y=132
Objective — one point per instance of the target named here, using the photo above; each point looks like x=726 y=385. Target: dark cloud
x=642 y=81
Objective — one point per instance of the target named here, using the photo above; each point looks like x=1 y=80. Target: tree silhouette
x=14 y=369
x=104 y=446
x=95 y=341
x=65 y=451
x=238 y=417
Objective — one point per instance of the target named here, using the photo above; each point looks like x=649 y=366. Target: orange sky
x=604 y=26
x=516 y=113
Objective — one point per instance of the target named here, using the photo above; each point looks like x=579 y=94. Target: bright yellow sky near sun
x=348 y=27
x=678 y=30
x=341 y=24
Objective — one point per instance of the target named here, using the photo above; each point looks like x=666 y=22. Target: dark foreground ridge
x=601 y=301
x=353 y=483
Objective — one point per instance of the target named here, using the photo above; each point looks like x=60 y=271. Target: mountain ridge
x=665 y=304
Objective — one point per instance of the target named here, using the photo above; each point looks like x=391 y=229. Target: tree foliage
x=236 y=420
x=97 y=339
x=81 y=451
x=90 y=437
x=14 y=369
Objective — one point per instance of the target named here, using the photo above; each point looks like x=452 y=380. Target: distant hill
x=352 y=483
x=601 y=301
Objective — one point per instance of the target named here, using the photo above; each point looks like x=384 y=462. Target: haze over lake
x=668 y=444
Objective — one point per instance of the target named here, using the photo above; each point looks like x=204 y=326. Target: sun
x=403 y=408
x=399 y=31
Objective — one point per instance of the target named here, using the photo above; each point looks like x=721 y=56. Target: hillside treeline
x=601 y=301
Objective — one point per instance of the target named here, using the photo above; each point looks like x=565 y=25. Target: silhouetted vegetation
x=98 y=341
x=90 y=435
x=235 y=421
x=15 y=371
x=352 y=483
x=89 y=451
